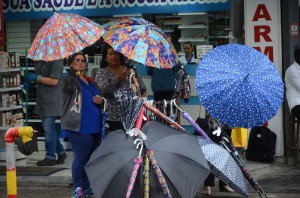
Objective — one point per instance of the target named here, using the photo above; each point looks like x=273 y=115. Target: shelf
x=39 y=121
x=29 y=103
x=192 y=40
x=192 y=13
x=10 y=89
x=214 y=37
x=192 y=27
x=28 y=68
x=11 y=108
x=5 y=128
x=16 y=69
x=173 y=23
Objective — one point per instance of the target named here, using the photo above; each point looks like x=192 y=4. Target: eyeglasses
x=79 y=60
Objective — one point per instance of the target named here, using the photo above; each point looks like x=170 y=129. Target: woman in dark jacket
x=81 y=121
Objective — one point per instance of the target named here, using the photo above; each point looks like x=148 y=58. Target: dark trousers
x=83 y=146
x=296 y=111
x=164 y=95
x=114 y=125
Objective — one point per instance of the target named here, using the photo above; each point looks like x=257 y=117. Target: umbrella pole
x=26 y=94
x=153 y=161
x=166 y=118
x=233 y=152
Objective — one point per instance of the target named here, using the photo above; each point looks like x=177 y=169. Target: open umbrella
x=223 y=166
x=184 y=169
x=239 y=85
x=62 y=35
x=142 y=41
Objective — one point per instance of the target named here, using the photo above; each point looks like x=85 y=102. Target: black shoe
x=61 y=158
x=46 y=162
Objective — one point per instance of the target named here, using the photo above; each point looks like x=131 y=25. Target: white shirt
x=292 y=84
x=183 y=60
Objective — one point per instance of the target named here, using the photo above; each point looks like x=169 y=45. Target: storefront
x=24 y=18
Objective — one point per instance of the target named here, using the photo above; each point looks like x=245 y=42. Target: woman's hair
x=73 y=56
x=189 y=43
x=104 y=62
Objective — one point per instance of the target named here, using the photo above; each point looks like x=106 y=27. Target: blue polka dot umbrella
x=239 y=85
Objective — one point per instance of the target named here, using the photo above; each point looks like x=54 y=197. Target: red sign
x=1 y=29
x=295 y=29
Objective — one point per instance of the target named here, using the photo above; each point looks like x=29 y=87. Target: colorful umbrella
x=239 y=85
x=142 y=41
x=138 y=160
x=62 y=35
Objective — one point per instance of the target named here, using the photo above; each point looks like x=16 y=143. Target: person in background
x=111 y=76
x=163 y=82
x=292 y=83
x=48 y=76
x=81 y=121
x=188 y=57
x=210 y=180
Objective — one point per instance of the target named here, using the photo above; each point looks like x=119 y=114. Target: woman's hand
x=97 y=99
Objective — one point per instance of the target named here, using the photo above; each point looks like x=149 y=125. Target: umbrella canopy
x=239 y=85
x=62 y=35
x=183 y=168
x=142 y=41
x=223 y=165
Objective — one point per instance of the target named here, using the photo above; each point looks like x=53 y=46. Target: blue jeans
x=52 y=142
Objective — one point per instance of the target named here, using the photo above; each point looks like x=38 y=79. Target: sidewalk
x=62 y=179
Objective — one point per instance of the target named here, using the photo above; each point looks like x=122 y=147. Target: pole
x=11 y=176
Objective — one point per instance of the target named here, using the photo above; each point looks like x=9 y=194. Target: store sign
x=263 y=32
x=35 y=9
x=201 y=50
x=295 y=29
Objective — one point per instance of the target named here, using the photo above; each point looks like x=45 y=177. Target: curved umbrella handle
x=195 y=125
x=104 y=105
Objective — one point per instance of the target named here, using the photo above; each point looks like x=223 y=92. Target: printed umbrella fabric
x=62 y=35
x=223 y=166
x=130 y=107
x=142 y=41
x=239 y=85
x=177 y=154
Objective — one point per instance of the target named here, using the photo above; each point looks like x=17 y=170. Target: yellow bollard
x=11 y=175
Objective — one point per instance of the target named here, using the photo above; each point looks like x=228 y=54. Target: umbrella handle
x=195 y=125
x=104 y=105
x=139 y=145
